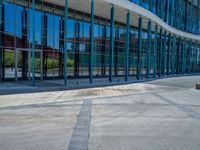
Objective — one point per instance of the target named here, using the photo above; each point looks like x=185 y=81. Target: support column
x=186 y=17
x=15 y=44
x=168 y=55
x=173 y=54
x=198 y=15
x=192 y=17
x=127 y=46
x=172 y=13
x=164 y=53
x=183 y=57
x=65 y=42
x=189 y=57
x=157 y=7
x=196 y=59
x=166 y=11
x=111 y=43
x=160 y=53
x=178 y=56
x=150 y=5
x=1 y=43
x=91 y=42
x=33 y=43
x=155 y=51
x=139 y=48
x=148 y=50
x=161 y=9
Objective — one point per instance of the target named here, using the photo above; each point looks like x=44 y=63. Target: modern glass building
x=74 y=39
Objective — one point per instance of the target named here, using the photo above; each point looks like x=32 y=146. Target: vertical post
x=161 y=9
x=168 y=55
x=172 y=13
x=111 y=43
x=127 y=46
x=65 y=42
x=164 y=52
x=155 y=51
x=173 y=54
x=148 y=50
x=1 y=40
x=181 y=15
x=139 y=48
x=15 y=44
x=198 y=15
x=186 y=16
x=189 y=57
x=150 y=5
x=166 y=11
x=91 y=41
x=195 y=59
x=192 y=17
x=157 y=8
x=160 y=59
x=178 y=56
x=33 y=43
x=183 y=57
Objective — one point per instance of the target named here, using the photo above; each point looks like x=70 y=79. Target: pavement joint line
x=81 y=132
x=192 y=113
x=77 y=100
x=80 y=100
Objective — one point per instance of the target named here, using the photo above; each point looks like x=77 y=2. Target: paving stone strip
x=81 y=132
x=192 y=113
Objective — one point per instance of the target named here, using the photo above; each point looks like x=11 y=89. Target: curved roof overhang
x=102 y=9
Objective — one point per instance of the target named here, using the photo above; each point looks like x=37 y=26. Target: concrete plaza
x=156 y=115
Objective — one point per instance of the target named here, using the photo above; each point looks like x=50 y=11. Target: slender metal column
x=168 y=54
x=161 y=9
x=33 y=43
x=91 y=41
x=186 y=17
x=127 y=46
x=189 y=57
x=192 y=17
x=164 y=53
x=179 y=56
x=183 y=57
x=160 y=59
x=166 y=11
x=148 y=50
x=65 y=42
x=150 y=5
x=157 y=7
x=172 y=13
x=15 y=44
x=139 y=48
x=1 y=75
x=195 y=59
x=112 y=43
x=155 y=51
x=198 y=15
x=181 y=15
x=173 y=54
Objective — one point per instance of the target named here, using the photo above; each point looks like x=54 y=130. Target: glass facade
x=158 y=54
x=181 y=14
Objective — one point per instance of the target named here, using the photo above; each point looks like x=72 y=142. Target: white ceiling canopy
x=102 y=9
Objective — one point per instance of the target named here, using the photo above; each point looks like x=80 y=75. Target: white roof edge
x=147 y=14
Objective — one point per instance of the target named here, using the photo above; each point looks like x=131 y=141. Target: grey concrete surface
x=156 y=115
